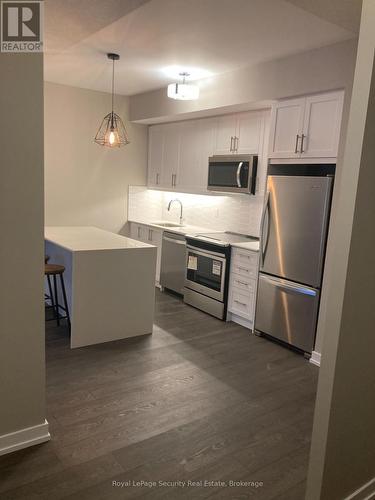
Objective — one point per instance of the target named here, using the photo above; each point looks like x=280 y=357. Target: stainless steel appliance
x=232 y=173
x=173 y=257
x=292 y=250
x=207 y=271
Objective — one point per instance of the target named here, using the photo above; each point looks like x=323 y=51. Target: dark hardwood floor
x=199 y=400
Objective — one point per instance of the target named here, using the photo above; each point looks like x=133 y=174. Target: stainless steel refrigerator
x=292 y=249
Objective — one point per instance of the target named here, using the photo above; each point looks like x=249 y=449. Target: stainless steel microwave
x=232 y=173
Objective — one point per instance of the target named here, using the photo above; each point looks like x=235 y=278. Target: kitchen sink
x=167 y=224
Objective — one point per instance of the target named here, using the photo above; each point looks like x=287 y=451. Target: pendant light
x=112 y=132
x=183 y=91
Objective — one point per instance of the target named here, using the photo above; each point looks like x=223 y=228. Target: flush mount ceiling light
x=183 y=91
x=112 y=132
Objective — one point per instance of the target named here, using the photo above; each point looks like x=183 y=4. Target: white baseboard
x=24 y=438
x=365 y=492
x=315 y=358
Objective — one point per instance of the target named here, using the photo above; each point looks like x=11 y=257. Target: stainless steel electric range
x=207 y=270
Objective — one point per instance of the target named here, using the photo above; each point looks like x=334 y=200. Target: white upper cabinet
x=196 y=145
x=308 y=127
x=249 y=133
x=155 y=155
x=170 y=155
x=238 y=134
x=286 y=124
x=225 y=134
x=179 y=152
x=322 y=125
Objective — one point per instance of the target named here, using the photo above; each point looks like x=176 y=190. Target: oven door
x=205 y=272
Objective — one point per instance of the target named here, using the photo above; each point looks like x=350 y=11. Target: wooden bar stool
x=57 y=270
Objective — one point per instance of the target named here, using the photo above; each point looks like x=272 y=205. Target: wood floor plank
x=200 y=399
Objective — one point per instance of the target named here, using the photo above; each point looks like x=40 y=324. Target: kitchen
x=192 y=185
x=248 y=205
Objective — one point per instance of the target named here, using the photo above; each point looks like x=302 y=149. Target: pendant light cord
x=113 y=82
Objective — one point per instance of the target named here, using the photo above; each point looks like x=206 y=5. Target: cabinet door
x=249 y=132
x=155 y=155
x=138 y=232
x=322 y=125
x=155 y=237
x=170 y=156
x=225 y=134
x=133 y=231
x=196 y=145
x=286 y=128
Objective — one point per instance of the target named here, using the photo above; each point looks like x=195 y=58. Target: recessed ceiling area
x=152 y=36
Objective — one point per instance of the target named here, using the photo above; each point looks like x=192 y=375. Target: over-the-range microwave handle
x=239 y=174
x=263 y=246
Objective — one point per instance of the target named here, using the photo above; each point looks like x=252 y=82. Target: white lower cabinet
x=242 y=287
x=150 y=235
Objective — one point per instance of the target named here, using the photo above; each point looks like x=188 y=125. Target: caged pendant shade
x=112 y=132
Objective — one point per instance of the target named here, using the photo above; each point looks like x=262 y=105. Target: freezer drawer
x=287 y=311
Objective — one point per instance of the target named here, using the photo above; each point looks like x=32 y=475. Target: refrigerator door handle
x=291 y=288
x=263 y=246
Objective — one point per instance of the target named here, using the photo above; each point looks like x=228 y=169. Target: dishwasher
x=173 y=262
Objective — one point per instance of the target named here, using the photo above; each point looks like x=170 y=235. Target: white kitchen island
x=109 y=280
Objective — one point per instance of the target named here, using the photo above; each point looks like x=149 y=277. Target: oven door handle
x=213 y=255
x=238 y=175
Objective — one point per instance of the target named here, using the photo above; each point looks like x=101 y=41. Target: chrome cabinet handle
x=302 y=139
x=296 y=147
x=150 y=235
x=157 y=179
x=231 y=145
x=139 y=231
x=239 y=173
x=236 y=144
x=172 y=180
x=243 y=269
x=175 y=180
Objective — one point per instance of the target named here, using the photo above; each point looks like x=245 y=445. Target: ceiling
x=213 y=36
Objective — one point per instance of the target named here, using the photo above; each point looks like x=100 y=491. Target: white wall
x=317 y=70
x=342 y=456
x=22 y=364
x=87 y=184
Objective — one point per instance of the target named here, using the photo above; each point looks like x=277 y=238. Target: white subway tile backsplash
x=237 y=213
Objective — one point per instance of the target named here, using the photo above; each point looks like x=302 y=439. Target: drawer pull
x=242 y=283
x=241 y=303
x=243 y=269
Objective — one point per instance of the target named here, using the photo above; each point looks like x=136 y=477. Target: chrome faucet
x=181 y=207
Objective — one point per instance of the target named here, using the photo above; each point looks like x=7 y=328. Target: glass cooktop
x=223 y=239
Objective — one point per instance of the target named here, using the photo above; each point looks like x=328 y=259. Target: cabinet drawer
x=241 y=283
x=241 y=303
x=245 y=257
x=244 y=270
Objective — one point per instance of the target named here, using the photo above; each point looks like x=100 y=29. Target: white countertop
x=185 y=229
x=251 y=245
x=192 y=230
x=84 y=238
